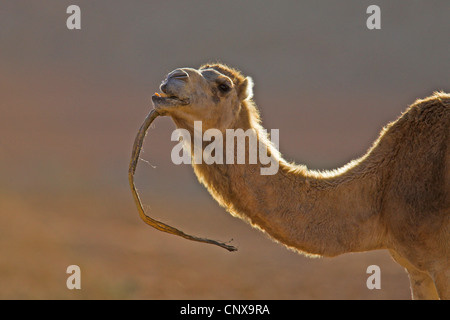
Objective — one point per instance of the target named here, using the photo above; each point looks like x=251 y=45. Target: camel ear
x=245 y=90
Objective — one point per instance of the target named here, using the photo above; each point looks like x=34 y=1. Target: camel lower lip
x=168 y=100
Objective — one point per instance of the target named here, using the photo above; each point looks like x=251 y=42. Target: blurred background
x=72 y=101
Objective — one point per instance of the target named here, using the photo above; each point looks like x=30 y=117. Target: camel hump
x=432 y=110
x=442 y=97
x=420 y=168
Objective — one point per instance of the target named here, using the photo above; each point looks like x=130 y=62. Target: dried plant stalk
x=132 y=169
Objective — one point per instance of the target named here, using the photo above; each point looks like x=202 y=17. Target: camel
x=395 y=197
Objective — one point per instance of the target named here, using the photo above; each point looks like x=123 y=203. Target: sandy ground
x=122 y=258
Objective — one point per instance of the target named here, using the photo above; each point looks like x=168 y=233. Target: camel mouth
x=164 y=99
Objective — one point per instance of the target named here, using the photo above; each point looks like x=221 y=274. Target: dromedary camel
x=395 y=197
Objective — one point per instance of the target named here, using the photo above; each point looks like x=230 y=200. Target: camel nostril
x=164 y=87
x=178 y=74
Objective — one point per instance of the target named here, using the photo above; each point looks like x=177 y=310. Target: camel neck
x=313 y=213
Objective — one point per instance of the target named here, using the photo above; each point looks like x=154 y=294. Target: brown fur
x=395 y=197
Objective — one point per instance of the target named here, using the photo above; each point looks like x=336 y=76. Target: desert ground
x=121 y=258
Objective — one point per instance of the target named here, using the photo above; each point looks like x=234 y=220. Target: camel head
x=213 y=94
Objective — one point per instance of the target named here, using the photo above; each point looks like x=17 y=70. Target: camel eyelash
x=224 y=87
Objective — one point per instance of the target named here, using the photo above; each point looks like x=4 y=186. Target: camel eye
x=224 y=87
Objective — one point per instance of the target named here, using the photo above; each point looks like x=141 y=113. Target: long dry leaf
x=132 y=169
